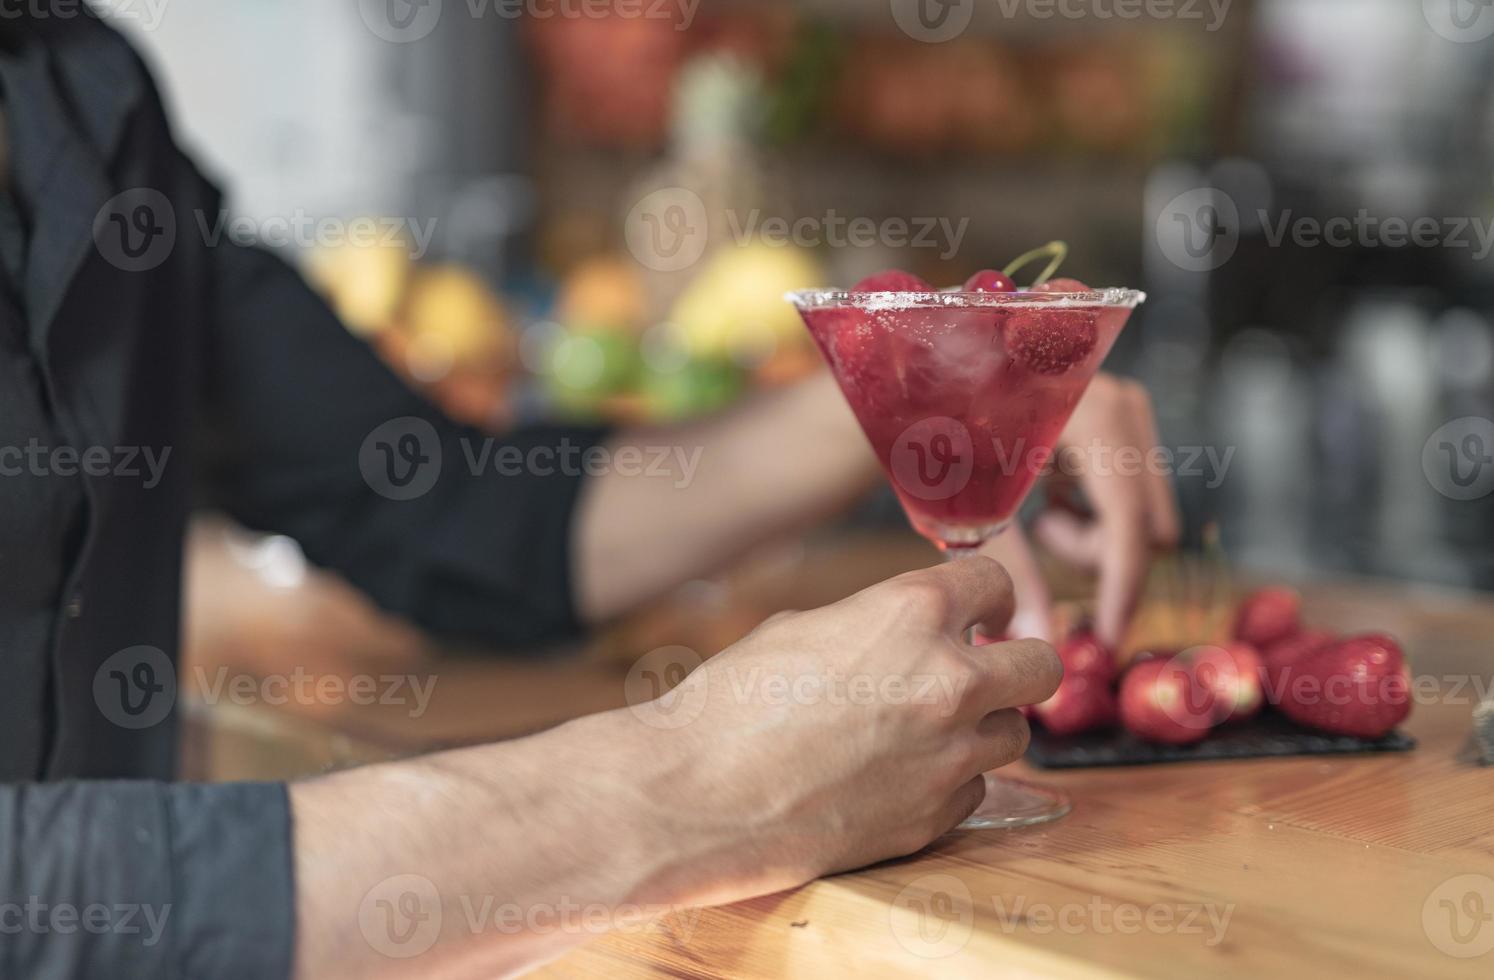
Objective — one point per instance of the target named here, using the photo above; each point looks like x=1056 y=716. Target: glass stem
x=953 y=552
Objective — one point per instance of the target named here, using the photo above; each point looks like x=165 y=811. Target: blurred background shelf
x=1321 y=370
x=1008 y=20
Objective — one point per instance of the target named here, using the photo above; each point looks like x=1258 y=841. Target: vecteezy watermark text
x=1208 y=463
x=146 y=13
x=137 y=230
x=403 y=915
x=935 y=458
x=1200 y=230
x=402 y=21
x=39 y=917
x=669 y=229
x=301 y=687
x=674 y=463
x=1458 y=459
x=1212 y=13
x=1365 y=230
x=1463 y=690
x=403 y=458
x=1461 y=21
x=305 y=230
x=137 y=688
x=665 y=690
x=121 y=462
x=1104 y=917
x=839 y=231
x=937 y=21
x=1458 y=916
x=933 y=917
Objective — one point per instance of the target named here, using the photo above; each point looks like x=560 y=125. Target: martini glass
x=962 y=396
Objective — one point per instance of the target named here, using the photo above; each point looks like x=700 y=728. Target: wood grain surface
x=1363 y=866
x=1319 y=867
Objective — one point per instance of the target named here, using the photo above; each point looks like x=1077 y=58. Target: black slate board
x=1264 y=736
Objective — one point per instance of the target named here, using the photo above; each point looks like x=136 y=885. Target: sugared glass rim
x=818 y=299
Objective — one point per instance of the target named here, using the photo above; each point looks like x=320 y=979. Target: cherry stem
x=1057 y=250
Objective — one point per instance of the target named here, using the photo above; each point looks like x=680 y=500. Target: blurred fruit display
x=454 y=320
x=603 y=356
x=695 y=388
x=657 y=340
x=604 y=291
x=734 y=307
x=725 y=334
x=439 y=326
x=365 y=285
x=591 y=372
x=632 y=104
x=456 y=340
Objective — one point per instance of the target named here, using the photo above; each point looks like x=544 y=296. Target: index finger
x=1122 y=505
x=1018 y=672
x=1123 y=564
x=976 y=590
x=1032 y=613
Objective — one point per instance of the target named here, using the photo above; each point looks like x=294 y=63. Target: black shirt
x=40 y=511
x=39 y=520
x=128 y=332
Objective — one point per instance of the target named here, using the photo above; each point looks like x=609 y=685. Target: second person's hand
x=1133 y=511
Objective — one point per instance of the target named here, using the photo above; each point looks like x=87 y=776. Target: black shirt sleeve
x=313 y=436
x=143 y=879
x=299 y=417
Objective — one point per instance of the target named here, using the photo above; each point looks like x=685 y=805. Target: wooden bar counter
x=1377 y=866
x=1352 y=866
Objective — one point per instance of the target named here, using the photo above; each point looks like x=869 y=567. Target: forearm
x=524 y=848
x=773 y=464
x=487 y=861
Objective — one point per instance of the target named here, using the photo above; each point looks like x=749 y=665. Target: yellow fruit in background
x=364 y=284
x=452 y=317
x=735 y=306
x=605 y=292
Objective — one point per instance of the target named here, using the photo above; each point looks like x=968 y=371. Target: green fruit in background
x=697 y=388
x=587 y=366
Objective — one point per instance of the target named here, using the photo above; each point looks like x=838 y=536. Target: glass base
x=1012 y=803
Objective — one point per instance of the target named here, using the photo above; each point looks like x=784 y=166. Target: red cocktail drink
x=963 y=395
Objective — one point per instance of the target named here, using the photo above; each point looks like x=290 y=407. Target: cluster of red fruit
x=1355 y=685
x=1044 y=341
